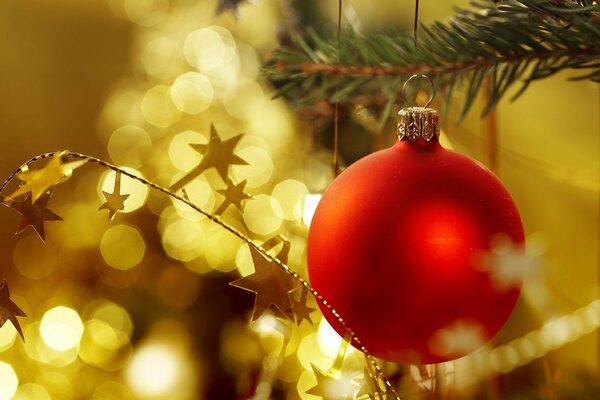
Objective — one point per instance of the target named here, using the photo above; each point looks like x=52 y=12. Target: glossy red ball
x=392 y=247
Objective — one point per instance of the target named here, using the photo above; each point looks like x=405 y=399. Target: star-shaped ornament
x=115 y=201
x=331 y=387
x=368 y=386
x=271 y=284
x=38 y=181
x=9 y=311
x=234 y=195
x=217 y=154
x=33 y=214
x=301 y=310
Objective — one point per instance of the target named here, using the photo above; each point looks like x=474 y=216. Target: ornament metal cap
x=418 y=122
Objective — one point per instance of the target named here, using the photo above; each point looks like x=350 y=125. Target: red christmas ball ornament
x=393 y=248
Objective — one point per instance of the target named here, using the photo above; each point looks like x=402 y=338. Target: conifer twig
x=508 y=42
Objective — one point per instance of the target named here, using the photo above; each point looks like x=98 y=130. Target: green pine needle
x=508 y=43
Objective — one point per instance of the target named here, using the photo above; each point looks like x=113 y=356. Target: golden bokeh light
x=146 y=12
x=309 y=352
x=209 y=48
x=311 y=201
x=192 y=92
x=137 y=191
x=114 y=315
x=58 y=384
x=243 y=261
x=8 y=334
x=99 y=344
x=220 y=249
x=8 y=381
x=182 y=239
x=290 y=194
x=33 y=258
x=154 y=370
x=61 y=328
x=181 y=154
x=259 y=169
x=262 y=215
x=129 y=145
x=161 y=58
x=122 y=247
x=329 y=340
x=32 y=391
x=158 y=107
x=199 y=193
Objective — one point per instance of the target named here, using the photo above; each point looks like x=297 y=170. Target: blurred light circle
x=259 y=169
x=209 y=48
x=146 y=12
x=154 y=370
x=122 y=247
x=137 y=191
x=61 y=328
x=220 y=249
x=199 y=193
x=8 y=334
x=129 y=145
x=182 y=240
x=158 y=108
x=31 y=391
x=329 y=340
x=290 y=195
x=8 y=381
x=100 y=342
x=243 y=261
x=181 y=154
x=33 y=258
x=262 y=215
x=115 y=316
x=192 y=92
x=162 y=58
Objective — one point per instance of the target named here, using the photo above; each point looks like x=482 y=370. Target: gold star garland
x=218 y=154
x=33 y=214
x=56 y=172
x=37 y=182
x=270 y=284
x=9 y=311
x=332 y=384
x=234 y=195
x=115 y=201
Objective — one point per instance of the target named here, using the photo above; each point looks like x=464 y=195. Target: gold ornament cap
x=418 y=122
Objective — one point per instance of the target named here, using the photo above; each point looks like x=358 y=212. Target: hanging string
x=416 y=23
x=336 y=106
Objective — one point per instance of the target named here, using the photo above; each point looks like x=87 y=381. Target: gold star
x=115 y=201
x=271 y=285
x=368 y=386
x=33 y=214
x=38 y=181
x=301 y=310
x=9 y=311
x=329 y=387
x=219 y=154
x=234 y=195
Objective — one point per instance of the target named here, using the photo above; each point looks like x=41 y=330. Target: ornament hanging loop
x=418 y=122
x=431 y=89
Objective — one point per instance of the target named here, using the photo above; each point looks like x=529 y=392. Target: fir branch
x=509 y=42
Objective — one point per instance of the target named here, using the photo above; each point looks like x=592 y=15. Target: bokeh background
x=140 y=307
